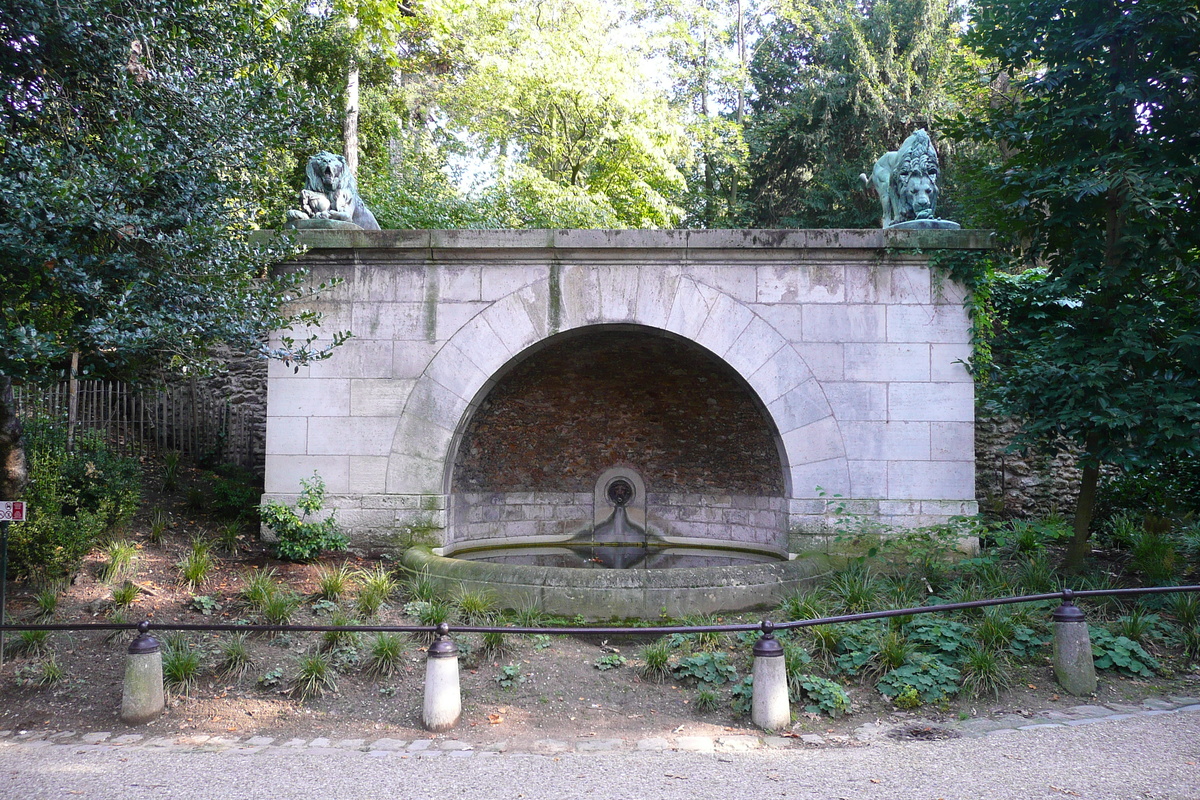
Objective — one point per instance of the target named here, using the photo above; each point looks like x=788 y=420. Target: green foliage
x=1095 y=328
x=314 y=676
x=495 y=645
x=73 y=497
x=854 y=589
x=1138 y=626
x=124 y=595
x=205 y=605
x=195 y=566
x=334 y=640
x=333 y=584
x=120 y=556
x=707 y=700
x=376 y=587
x=819 y=695
x=801 y=605
x=996 y=630
x=159 y=520
x=271 y=678
x=420 y=586
x=1155 y=557
x=1170 y=486
x=234 y=492
x=713 y=668
x=46 y=672
x=509 y=676
x=140 y=143
x=172 y=461
x=33 y=642
x=656 y=661
x=609 y=661
x=46 y=601
x=235 y=659
x=384 y=654
x=836 y=85
x=258 y=586
x=301 y=538
x=933 y=679
x=940 y=636
x=1026 y=642
x=279 y=605
x=1121 y=654
x=180 y=664
x=229 y=537
x=475 y=607
x=984 y=671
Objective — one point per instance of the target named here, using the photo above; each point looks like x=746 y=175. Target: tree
x=704 y=42
x=134 y=140
x=1097 y=340
x=837 y=83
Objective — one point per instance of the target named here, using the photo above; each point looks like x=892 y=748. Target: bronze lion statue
x=330 y=193
x=906 y=180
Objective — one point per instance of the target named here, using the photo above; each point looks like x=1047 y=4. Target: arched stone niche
x=700 y=452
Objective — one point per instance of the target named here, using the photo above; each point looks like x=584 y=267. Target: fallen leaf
x=873 y=780
x=673 y=775
x=495 y=719
x=1031 y=686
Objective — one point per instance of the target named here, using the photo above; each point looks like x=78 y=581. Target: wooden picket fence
x=188 y=418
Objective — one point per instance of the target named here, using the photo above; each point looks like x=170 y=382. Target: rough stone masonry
x=752 y=380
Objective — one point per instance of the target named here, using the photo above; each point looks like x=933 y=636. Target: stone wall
x=850 y=350
x=1025 y=482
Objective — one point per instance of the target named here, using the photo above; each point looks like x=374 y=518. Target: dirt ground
x=559 y=693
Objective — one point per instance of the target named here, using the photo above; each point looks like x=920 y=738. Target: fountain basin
x=601 y=594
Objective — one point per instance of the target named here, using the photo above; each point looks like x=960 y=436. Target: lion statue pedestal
x=906 y=181
x=330 y=198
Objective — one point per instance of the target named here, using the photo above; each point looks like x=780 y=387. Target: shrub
x=46 y=601
x=302 y=538
x=234 y=492
x=73 y=499
x=279 y=606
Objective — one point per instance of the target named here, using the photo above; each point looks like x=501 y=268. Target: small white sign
x=12 y=510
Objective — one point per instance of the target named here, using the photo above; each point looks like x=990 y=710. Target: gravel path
x=1093 y=752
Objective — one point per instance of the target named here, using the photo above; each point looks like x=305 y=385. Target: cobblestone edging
x=72 y=742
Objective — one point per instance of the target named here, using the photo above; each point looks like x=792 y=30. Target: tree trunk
x=1085 y=507
x=350 y=124
x=14 y=473
x=741 y=103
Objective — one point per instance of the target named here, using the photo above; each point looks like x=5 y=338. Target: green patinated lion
x=330 y=194
x=906 y=180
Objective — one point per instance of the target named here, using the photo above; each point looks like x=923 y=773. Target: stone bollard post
x=769 y=708
x=1073 y=666
x=142 y=698
x=443 y=699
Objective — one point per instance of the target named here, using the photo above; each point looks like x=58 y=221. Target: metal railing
x=1066 y=596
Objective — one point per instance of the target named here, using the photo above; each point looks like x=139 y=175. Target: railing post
x=142 y=698
x=443 y=699
x=769 y=708
x=1073 y=666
